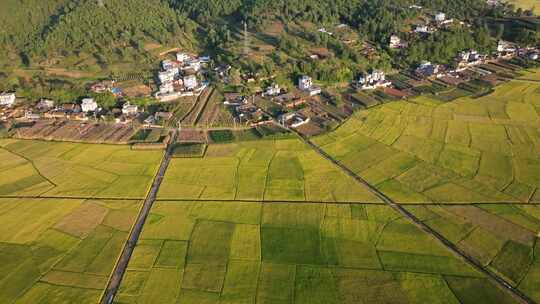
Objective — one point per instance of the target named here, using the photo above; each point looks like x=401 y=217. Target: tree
x=105 y=100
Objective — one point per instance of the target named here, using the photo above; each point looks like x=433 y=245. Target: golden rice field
x=527 y=4
x=280 y=170
x=60 y=250
x=468 y=150
x=502 y=237
x=252 y=252
x=53 y=169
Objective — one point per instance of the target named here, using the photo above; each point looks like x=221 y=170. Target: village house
x=373 y=80
x=7 y=99
x=168 y=76
x=129 y=109
x=427 y=69
x=440 y=17
x=89 y=105
x=167 y=87
x=29 y=115
x=293 y=120
x=470 y=58
x=71 y=108
x=45 y=105
x=305 y=83
x=190 y=82
x=182 y=57
x=233 y=99
x=163 y=115
x=272 y=90
x=396 y=42
x=423 y=29
x=102 y=86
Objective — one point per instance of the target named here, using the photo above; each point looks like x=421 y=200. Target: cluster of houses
x=181 y=77
x=48 y=109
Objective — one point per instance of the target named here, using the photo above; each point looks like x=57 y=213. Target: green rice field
x=54 y=169
x=252 y=252
x=503 y=237
x=60 y=251
x=468 y=150
x=280 y=170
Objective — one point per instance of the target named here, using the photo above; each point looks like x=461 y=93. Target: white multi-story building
x=305 y=83
x=190 y=82
x=166 y=88
x=168 y=76
x=272 y=90
x=89 y=105
x=440 y=17
x=129 y=109
x=7 y=99
x=169 y=65
x=395 y=42
x=373 y=80
x=182 y=57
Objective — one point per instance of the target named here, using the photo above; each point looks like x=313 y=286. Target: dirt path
x=122 y=262
x=495 y=278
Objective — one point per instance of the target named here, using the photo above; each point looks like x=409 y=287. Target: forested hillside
x=96 y=33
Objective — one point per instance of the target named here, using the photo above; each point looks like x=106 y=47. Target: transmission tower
x=246 y=39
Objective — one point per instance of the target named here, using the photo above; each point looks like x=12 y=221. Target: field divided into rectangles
x=60 y=250
x=503 y=237
x=252 y=252
x=53 y=169
x=280 y=170
x=469 y=150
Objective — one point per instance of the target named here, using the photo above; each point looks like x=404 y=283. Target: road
x=499 y=281
x=127 y=251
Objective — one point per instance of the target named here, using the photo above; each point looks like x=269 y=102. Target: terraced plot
x=52 y=169
x=60 y=251
x=469 y=150
x=503 y=237
x=281 y=170
x=242 y=252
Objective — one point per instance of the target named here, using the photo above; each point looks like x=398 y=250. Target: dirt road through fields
x=495 y=278
x=127 y=251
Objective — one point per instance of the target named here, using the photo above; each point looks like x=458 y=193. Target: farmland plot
x=60 y=250
x=469 y=150
x=503 y=237
x=280 y=170
x=248 y=252
x=40 y=168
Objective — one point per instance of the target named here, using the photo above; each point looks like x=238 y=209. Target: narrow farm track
x=121 y=264
x=495 y=278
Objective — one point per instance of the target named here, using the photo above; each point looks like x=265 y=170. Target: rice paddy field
x=503 y=237
x=270 y=170
x=253 y=252
x=60 y=250
x=54 y=169
x=272 y=222
x=527 y=5
x=469 y=150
